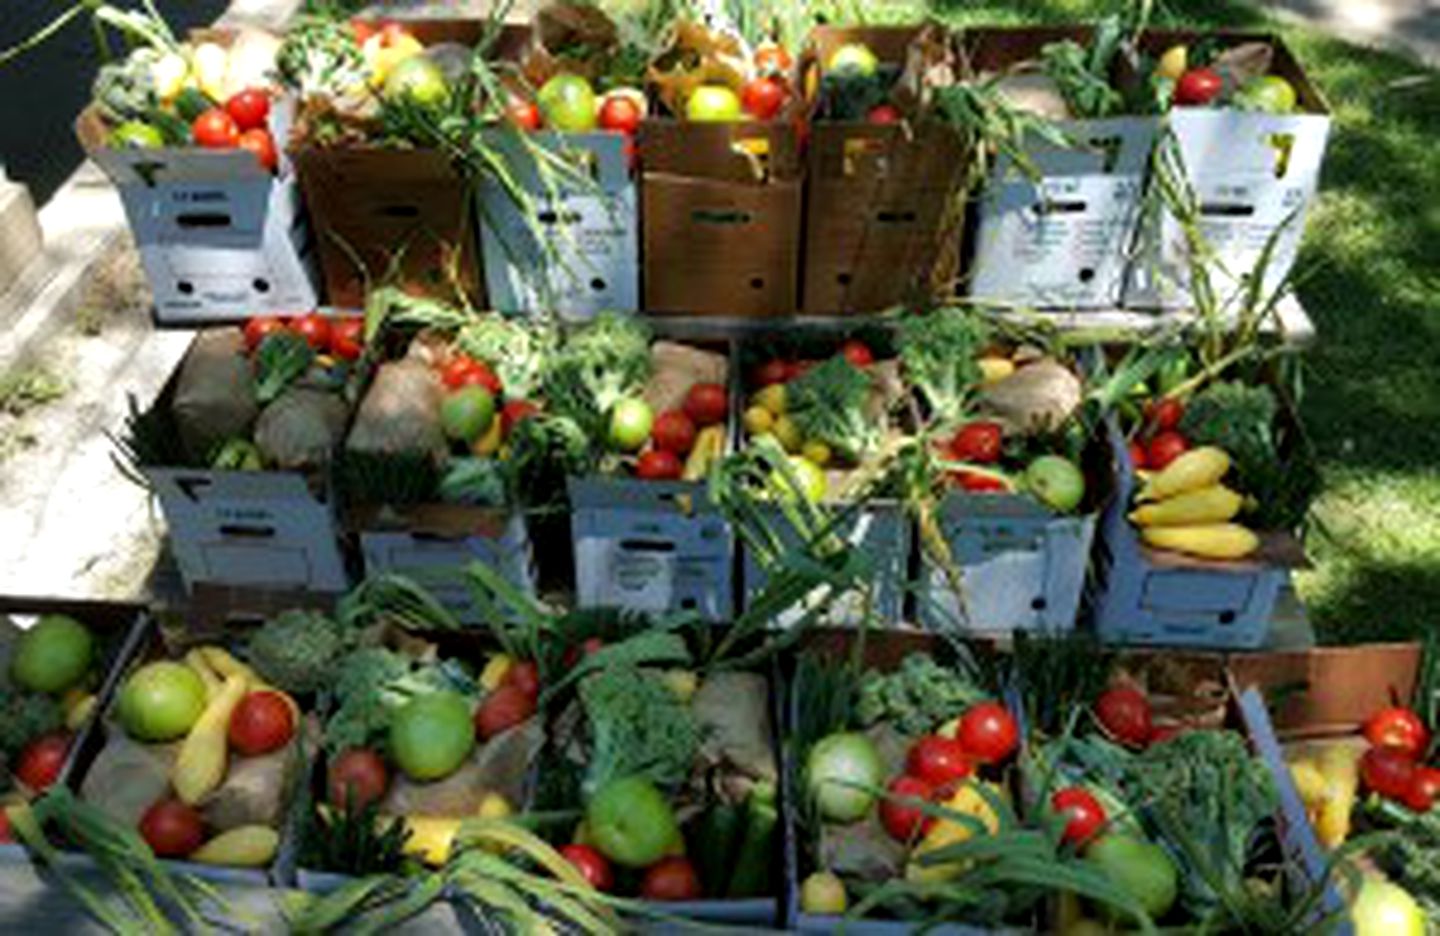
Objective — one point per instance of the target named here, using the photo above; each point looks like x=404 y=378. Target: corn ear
x=1195 y=469
x=249 y=846
x=1213 y=504
x=200 y=767
x=1208 y=541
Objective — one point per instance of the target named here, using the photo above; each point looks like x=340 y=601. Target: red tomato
x=1399 y=728
x=707 y=403
x=362 y=30
x=772 y=59
x=1198 y=86
x=619 y=113
x=38 y=766
x=977 y=483
x=523 y=114
x=978 y=442
x=1124 y=713
x=347 y=338
x=988 y=732
x=464 y=371
x=1084 y=816
x=261 y=723
x=1387 y=771
x=515 y=412
x=358 y=774
x=1164 y=414
x=249 y=108
x=172 y=829
x=524 y=676
x=857 y=353
x=797 y=369
x=772 y=372
x=314 y=328
x=883 y=115
x=262 y=145
x=1165 y=448
x=903 y=821
x=5 y=834
x=1137 y=456
x=591 y=864
x=673 y=432
x=659 y=465
x=1424 y=788
x=671 y=878
x=763 y=97
x=503 y=709
x=938 y=761
x=258 y=329
x=215 y=129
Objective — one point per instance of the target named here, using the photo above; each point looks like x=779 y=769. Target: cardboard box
x=1060 y=240
x=221 y=238
x=589 y=260
x=722 y=207
x=434 y=543
x=1328 y=691
x=1254 y=176
x=883 y=206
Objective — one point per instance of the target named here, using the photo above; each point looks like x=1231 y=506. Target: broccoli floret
x=600 y=364
x=828 y=403
x=939 y=352
x=24 y=716
x=370 y=685
x=637 y=726
x=516 y=351
x=296 y=650
x=917 y=698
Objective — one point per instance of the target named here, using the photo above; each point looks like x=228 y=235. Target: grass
x=1372 y=286
x=24 y=388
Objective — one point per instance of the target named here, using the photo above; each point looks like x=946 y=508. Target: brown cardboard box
x=721 y=217
x=883 y=212
x=1326 y=691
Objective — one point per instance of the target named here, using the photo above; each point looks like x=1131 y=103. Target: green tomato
x=713 y=104
x=136 y=134
x=161 y=701
x=567 y=102
x=630 y=423
x=53 y=655
x=837 y=772
x=466 y=413
x=432 y=735
x=855 y=59
x=631 y=823
x=1269 y=93
x=1142 y=869
x=419 y=81
x=1056 y=481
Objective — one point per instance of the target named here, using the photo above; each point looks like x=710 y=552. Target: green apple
x=467 y=412
x=630 y=822
x=431 y=736
x=419 y=81
x=567 y=102
x=1142 y=869
x=853 y=59
x=53 y=655
x=630 y=423
x=161 y=701
x=713 y=104
x=1056 y=481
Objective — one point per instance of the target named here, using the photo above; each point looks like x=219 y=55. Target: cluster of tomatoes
x=242 y=123
x=342 y=338
x=673 y=434
x=1160 y=440
x=783 y=370
x=672 y=878
x=1394 y=765
x=980 y=442
x=985 y=735
x=511 y=703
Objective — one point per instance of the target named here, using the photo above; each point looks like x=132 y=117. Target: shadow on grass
x=1359 y=599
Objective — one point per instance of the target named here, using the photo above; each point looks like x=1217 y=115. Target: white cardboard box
x=1061 y=240
x=1253 y=174
x=221 y=239
x=262 y=529
x=590 y=261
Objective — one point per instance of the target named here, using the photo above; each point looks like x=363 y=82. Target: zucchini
x=751 y=876
x=716 y=838
x=190 y=103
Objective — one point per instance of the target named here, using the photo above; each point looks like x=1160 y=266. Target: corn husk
x=301 y=429
x=401 y=413
x=214 y=394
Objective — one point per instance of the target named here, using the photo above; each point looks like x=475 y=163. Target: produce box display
x=188 y=131
x=883 y=172
x=830 y=412
x=655 y=414
x=581 y=252
x=1233 y=182
x=238 y=449
x=56 y=665
x=1058 y=216
x=1011 y=484
x=439 y=466
x=380 y=144
x=722 y=170
x=672 y=760
x=1210 y=453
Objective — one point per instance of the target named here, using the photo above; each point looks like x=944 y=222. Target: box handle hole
x=203 y=220
x=398 y=211
x=185 y=287
x=757 y=283
x=261 y=285
x=247 y=531
x=642 y=545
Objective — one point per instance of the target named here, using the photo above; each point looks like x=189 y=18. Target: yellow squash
x=1213 y=504
x=197 y=662
x=1196 y=469
x=1208 y=541
x=250 y=846
x=706 y=451
x=200 y=766
x=430 y=836
x=1340 y=766
x=967 y=801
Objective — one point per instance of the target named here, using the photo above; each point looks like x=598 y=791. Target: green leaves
x=939 y=351
x=283 y=357
x=828 y=402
